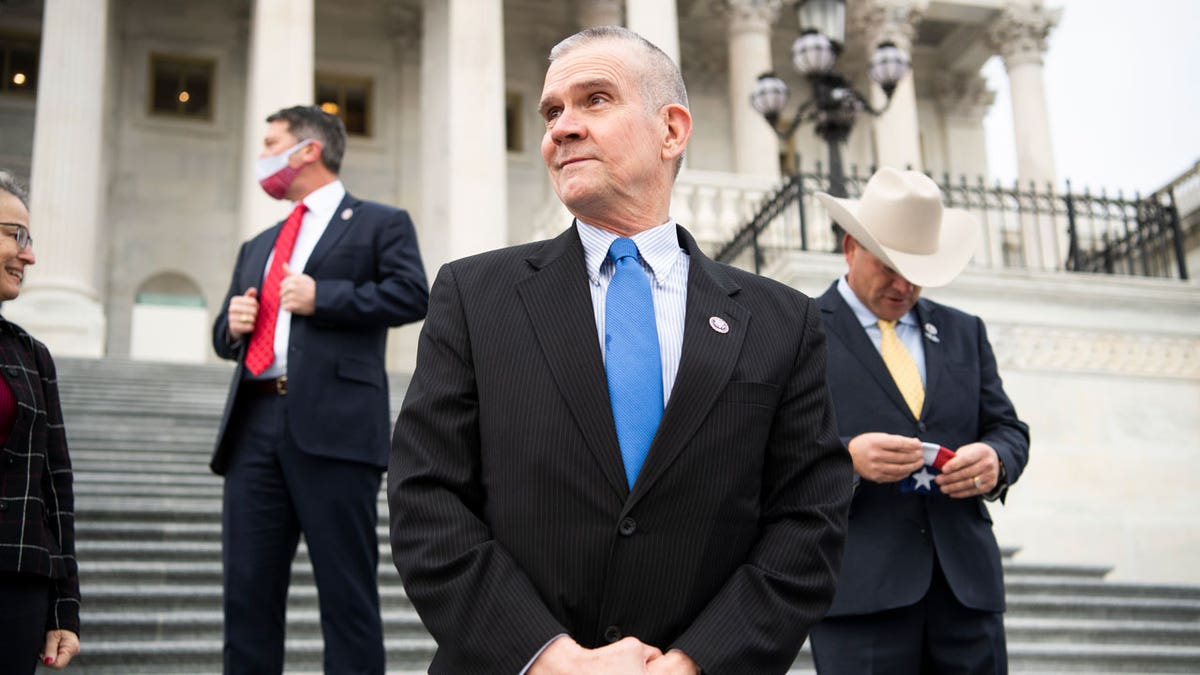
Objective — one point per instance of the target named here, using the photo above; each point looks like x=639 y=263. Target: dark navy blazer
x=369 y=277
x=893 y=536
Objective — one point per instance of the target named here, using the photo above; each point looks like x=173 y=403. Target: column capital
x=749 y=15
x=963 y=95
x=1019 y=33
x=892 y=21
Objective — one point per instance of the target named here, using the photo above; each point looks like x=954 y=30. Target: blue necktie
x=631 y=357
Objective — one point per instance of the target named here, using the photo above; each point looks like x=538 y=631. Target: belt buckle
x=281 y=385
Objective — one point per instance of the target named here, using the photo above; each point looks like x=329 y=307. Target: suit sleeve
x=999 y=426
x=759 y=619
x=58 y=493
x=397 y=294
x=479 y=605
x=222 y=345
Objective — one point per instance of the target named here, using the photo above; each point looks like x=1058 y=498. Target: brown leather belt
x=276 y=386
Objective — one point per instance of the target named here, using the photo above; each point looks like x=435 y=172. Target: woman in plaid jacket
x=39 y=580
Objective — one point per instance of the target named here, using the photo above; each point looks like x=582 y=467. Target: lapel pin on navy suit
x=347 y=212
x=931 y=333
x=718 y=324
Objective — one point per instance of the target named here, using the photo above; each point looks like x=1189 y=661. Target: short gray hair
x=10 y=184
x=662 y=83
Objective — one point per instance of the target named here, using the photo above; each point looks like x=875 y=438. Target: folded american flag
x=921 y=480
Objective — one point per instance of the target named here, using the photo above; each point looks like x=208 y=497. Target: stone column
x=963 y=100
x=1019 y=35
x=464 y=194
x=280 y=74
x=61 y=303
x=593 y=13
x=897 y=132
x=755 y=146
x=657 y=21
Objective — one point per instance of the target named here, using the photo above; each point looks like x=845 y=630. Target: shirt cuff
x=539 y=653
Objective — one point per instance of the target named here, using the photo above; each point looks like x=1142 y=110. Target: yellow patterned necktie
x=902 y=367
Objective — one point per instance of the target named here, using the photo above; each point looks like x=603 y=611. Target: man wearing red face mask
x=305 y=434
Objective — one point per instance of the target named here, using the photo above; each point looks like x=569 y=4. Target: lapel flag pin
x=931 y=333
x=347 y=213
x=718 y=324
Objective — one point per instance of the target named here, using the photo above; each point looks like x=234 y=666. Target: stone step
x=1055 y=605
x=1066 y=657
x=207 y=624
x=1024 y=630
x=204 y=656
x=157 y=596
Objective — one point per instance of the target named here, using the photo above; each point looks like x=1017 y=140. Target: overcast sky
x=1123 y=91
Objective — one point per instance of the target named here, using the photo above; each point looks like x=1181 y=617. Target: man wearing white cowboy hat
x=932 y=435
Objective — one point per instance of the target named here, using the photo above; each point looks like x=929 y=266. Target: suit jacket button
x=627 y=527
x=612 y=634
x=921 y=426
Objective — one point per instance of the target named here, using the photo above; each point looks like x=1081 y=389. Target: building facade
x=137 y=122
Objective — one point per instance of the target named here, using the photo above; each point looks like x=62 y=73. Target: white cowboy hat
x=901 y=220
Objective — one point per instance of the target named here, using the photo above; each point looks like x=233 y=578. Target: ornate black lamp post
x=835 y=103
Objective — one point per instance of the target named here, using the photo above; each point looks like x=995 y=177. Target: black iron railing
x=1028 y=227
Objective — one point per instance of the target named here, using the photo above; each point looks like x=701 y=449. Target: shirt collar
x=658 y=246
x=865 y=316
x=325 y=198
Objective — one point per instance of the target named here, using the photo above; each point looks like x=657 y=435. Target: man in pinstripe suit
x=522 y=541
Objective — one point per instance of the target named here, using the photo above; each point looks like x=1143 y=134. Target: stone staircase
x=148 y=530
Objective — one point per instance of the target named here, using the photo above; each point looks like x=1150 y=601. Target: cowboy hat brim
x=957 y=239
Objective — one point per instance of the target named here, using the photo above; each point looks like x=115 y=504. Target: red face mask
x=274 y=173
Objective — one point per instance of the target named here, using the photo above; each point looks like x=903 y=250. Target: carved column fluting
x=463 y=148
x=1019 y=36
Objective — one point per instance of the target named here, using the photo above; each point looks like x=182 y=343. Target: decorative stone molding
x=1019 y=34
x=963 y=95
x=749 y=15
x=1094 y=351
x=879 y=21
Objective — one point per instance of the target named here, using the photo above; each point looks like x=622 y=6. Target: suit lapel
x=706 y=363
x=846 y=326
x=259 y=255
x=935 y=357
x=559 y=305
x=338 y=225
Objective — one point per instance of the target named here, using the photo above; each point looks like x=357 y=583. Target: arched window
x=169 y=321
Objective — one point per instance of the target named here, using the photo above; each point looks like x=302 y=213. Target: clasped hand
x=887 y=458
x=628 y=656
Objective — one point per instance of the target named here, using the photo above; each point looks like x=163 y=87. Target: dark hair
x=10 y=184
x=309 y=121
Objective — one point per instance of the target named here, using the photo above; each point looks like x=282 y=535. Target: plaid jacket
x=37 y=504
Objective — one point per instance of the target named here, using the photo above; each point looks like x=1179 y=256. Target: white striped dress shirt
x=666 y=264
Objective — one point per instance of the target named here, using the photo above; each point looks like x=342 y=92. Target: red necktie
x=261 y=351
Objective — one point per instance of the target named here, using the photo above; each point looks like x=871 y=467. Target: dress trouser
x=273 y=493
x=935 y=636
x=24 y=602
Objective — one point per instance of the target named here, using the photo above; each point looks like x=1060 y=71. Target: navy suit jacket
x=369 y=277
x=894 y=536
x=511 y=519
